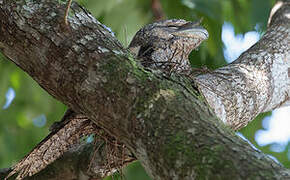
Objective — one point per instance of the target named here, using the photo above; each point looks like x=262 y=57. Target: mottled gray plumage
x=166 y=44
x=163 y=45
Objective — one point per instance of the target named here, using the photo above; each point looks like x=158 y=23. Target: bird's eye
x=173 y=27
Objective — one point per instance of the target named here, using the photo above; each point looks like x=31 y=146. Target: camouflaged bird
x=163 y=45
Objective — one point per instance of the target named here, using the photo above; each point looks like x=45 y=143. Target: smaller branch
x=65 y=136
x=82 y=160
x=66 y=12
x=157 y=10
x=71 y=166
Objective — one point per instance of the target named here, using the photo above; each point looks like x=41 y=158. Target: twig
x=157 y=10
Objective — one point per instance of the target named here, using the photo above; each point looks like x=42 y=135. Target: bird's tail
x=63 y=135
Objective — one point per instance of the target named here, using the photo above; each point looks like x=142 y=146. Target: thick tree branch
x=164 y=121
x=258 y=81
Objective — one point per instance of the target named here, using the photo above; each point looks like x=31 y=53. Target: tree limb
x=258 y=81
x=70 y=135
x=68 y=167
x=164 y=121
x=74 y=164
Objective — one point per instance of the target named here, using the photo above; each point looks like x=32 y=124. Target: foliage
x=18 y=134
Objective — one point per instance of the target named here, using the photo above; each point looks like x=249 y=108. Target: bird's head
x=166 y=44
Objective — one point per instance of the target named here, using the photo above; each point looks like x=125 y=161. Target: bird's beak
x=192 y=32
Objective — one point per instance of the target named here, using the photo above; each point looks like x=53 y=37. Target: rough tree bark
x=165 y=122
x=258 y=81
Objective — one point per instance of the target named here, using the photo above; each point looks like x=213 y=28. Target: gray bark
x=72 y=165
x=163 y=121
x=258 y=81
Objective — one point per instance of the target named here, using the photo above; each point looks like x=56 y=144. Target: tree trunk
x=164 y=121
